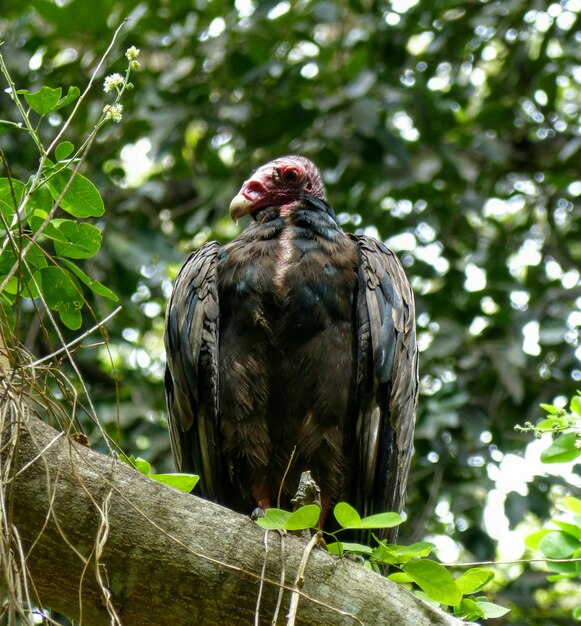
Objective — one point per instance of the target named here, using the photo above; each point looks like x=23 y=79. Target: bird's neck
x=305 y=217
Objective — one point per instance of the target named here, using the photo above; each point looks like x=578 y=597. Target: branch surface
x=106 y=545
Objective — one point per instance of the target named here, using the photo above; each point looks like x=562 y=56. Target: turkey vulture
x=295 y=336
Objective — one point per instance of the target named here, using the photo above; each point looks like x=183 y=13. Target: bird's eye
x=290 y=176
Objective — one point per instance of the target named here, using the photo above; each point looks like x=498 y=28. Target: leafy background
x=449 y=129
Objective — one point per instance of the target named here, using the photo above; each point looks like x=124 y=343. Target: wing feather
x=191 y=341
x=387 y=378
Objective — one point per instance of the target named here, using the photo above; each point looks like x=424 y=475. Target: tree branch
x=106 y=545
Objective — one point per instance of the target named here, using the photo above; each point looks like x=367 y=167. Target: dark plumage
x=295 y=334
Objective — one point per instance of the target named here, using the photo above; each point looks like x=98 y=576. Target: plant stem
x=19 y=106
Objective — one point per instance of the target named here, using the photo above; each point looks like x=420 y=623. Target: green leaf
x=401 y=578
x=305 y=517
x=94 y=285
x=81 y=199
x=435 y=580
x=143 y=466
x=577 y=613
x=552 y=423
x=44 y=100
x=468 y=609
x=30 y=288
x=568 y=568
x=401 y=554
x=572 y=529
x=386 y=554
x=340 y=547
x=474 y=579
x=559 y=545
x=24 y=282
x=28 y=280
x=7 y=261
x=13 y=286
x=407 y=553
x=274 y=519
x=557 y=577
x=183 y=482
x=562 y=449
x=6 y=126
x=37 y=218
x=35 y=260
x=8 y=202
x=549 y=408
x=63 y=150
x=575 y=405
x=533 y=540
x=336 y=548
x=346 y=515
x=572 y=504
x=381 y=520
x=72 y=94
x=7 y=317
x=426 y=597
x=71 y=318
x=76 y=240
x=62 y=293
x=491 y=610
x=41 y=202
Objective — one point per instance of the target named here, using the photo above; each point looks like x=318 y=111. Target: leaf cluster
x=40 y=250
x=565 y=428
x=435 y=582
x=560 y=542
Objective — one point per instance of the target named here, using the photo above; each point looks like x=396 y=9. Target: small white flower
x=135 y=65
x=132 y=53
x=113 y=81
x=113 y=112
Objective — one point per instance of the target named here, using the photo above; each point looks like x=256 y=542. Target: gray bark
x=101 y=541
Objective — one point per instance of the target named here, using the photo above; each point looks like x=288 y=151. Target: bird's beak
x=252 y=195
x=241 y=205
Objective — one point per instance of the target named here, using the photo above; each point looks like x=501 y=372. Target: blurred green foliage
x=449 y=129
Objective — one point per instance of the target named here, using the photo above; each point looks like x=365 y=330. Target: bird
x=293 y=348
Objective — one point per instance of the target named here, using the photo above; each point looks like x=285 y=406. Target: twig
x=88 y=87
x=281 y=582
x=262 y=579
x=300 y=581
x=93 y=412
x=286 y=471
x=77 y=340
x=34 y=459
x=16 y=100
x=261 y=586
x=516 y=561
x=101 y=540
